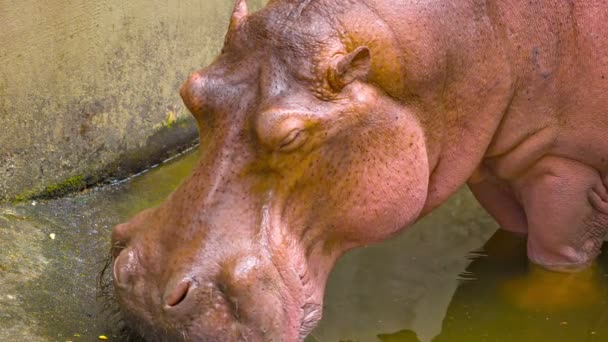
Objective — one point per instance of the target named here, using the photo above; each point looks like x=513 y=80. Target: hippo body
x=326 y=125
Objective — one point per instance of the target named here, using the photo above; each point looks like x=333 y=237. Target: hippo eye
x=284 y=131
x=296 y=138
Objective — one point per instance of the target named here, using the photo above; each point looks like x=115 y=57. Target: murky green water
x=452 y=277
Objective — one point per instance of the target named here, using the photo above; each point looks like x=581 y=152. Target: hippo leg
x=567 y=219
x=500 y=202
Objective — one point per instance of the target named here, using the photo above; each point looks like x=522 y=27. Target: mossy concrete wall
x=89 y=89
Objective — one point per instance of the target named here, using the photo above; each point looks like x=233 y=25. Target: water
x=452 y=277
x=499 y=297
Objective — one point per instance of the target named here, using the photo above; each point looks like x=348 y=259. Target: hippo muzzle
x=202 y=286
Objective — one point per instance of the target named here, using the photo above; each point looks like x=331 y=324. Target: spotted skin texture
x=327 y=125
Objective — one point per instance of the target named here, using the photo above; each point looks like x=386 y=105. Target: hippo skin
x=330 y=124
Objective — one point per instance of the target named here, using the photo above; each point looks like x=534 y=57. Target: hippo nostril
x=178 y=294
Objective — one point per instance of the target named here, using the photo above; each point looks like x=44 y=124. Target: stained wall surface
x=89 y=89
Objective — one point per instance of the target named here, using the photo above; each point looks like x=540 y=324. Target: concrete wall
x=89 y=89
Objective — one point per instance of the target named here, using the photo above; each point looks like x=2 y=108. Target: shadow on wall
x=89 y=90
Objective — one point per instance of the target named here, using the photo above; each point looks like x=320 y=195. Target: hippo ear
x=239 y=13
x=348 y=68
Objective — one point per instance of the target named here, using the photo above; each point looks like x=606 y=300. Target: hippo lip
x=293 y=292
x=305 y=313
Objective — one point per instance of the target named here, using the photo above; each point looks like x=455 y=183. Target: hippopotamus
x=326 y=125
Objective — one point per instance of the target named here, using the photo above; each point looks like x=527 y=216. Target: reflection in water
x=499 y=297
x=539 y=289
x=504 y=298
x=511 y=300
x=400 y=336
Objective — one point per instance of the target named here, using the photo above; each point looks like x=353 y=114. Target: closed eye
x=296 y=138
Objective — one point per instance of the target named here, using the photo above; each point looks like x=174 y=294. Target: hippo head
x=303 y=157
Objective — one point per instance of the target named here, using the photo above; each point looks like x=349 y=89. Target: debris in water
x=103 y=337
x=52 y=236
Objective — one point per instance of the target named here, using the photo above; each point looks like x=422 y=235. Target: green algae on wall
x=71 y=184
x=68 y=185
x=86 y=87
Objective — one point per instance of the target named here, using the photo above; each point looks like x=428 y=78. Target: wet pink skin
x=325 y=127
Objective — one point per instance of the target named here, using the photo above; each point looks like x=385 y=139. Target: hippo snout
x=194 y=288
x=131 y=280
x=177 y=305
